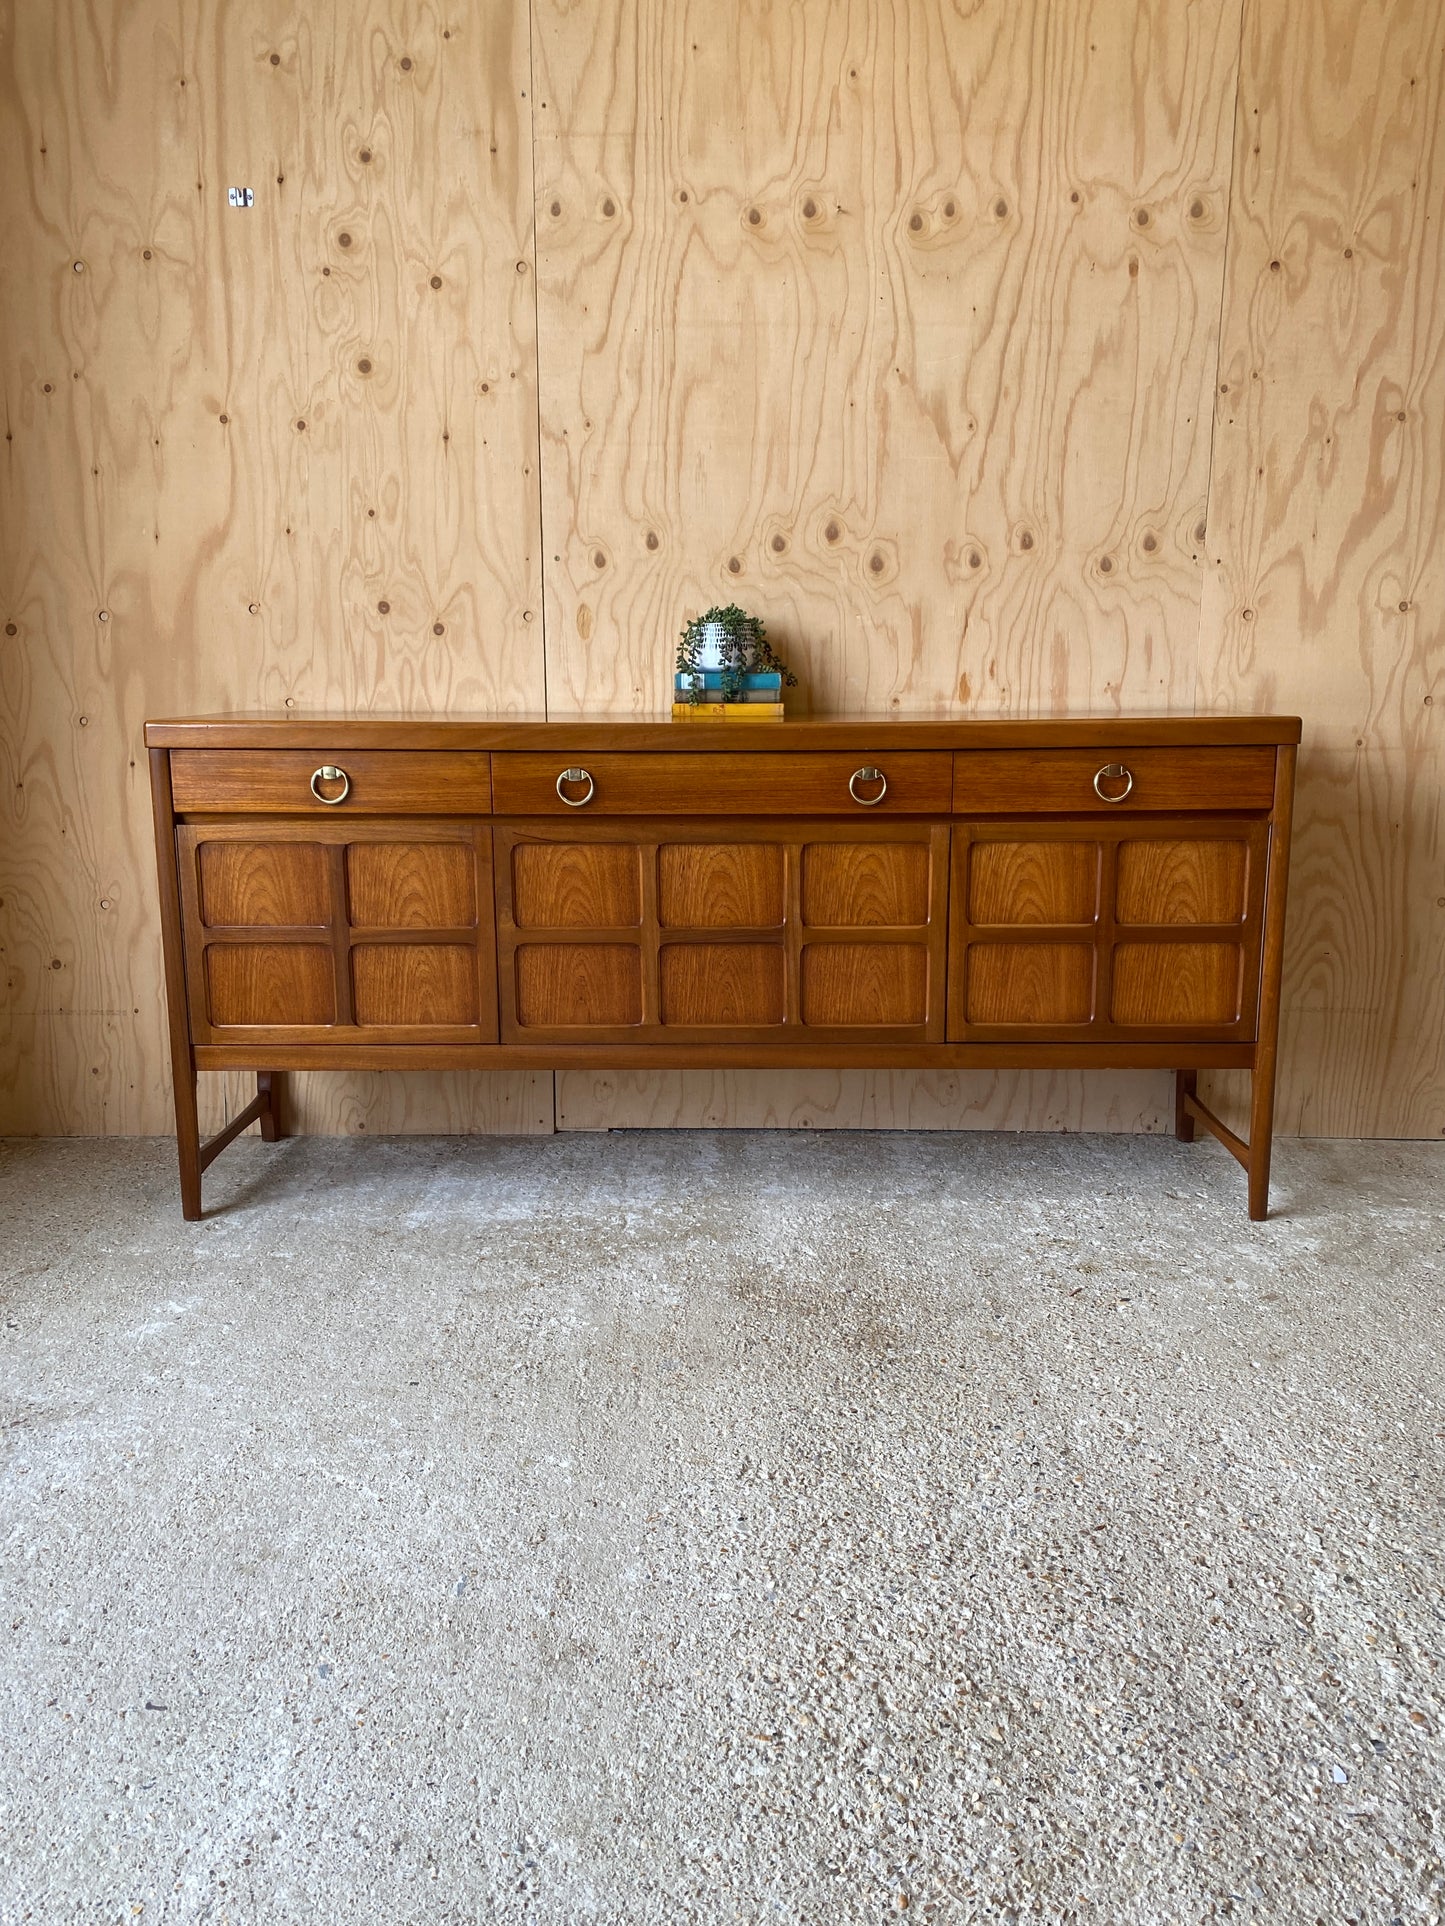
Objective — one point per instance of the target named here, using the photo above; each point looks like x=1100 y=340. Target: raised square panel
x=563 y=886
x=406 y=984
x=722 y=983
x=1035 y=882
x=411 y=886
x=864 y=984
x=271 y=983
x=1029 y=983
x=865 y=885
x=705 y=886
x=263 y=883
x=568 y=985
x=1182 y=882
x=1174 y=983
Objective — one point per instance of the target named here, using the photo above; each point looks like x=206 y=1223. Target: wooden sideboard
x=380 y=893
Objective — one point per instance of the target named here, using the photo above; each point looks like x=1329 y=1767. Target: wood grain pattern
x=171 y=536
x=1103 y=1100
x=1007 y=782
x=1185 y=983
x=406 y=984
x=1179 y=916
x=721 y=983
x=411 y=886
x=865 y=885
x=263 y=883
x=420 y=963
x=569 y=986
x=866 y=985
x=704 y=886
x=1034 y=882
x=269 y=983
x=576 y=886
x=674 y=975
x=1028 y=983
x=1176 y=881
x=1327 y=536
x=896 y=321
x=257 y=782
x=741 y=784
x=458 y=729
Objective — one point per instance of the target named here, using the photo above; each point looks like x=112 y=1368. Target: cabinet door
x=363 y=931
x=729 y=932
x=1094 y=931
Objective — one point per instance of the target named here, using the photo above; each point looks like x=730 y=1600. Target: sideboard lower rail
x=723 y=1056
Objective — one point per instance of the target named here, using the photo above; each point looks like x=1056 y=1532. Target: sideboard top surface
x=241 y=730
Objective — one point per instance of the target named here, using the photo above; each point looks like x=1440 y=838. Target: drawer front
x=1012 y=782
x=382 y=781
x=760 y=783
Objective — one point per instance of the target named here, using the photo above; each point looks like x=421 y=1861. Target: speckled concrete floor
x=722 y=1527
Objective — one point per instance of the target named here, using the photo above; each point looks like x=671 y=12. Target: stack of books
x=760 y=697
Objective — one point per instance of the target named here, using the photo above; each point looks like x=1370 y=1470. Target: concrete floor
x=657 y=1528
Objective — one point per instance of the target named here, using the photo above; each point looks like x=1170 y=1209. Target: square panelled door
x=609 y=934
x=1105 y=930
x=378 y=931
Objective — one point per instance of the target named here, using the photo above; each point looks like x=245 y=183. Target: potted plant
x=724 y=656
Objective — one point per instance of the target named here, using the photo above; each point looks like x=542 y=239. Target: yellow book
x=727 y=711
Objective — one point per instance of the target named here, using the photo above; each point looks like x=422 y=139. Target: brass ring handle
x=328 y=772
x=1114 y=772
x=868 y=773
x=576 y=775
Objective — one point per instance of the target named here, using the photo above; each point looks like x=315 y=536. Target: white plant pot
x=710 y=649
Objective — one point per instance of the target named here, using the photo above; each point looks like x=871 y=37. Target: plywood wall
x=1325 y=594
x=279 y=456
x=1008 y=358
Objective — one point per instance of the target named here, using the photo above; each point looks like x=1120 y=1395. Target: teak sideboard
x=373 y=893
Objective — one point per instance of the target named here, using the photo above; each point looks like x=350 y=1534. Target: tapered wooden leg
x=1261 y=1133
x=1185 y=1084
x=188 y=1141
x=271 y=1087
x=1261 y=1099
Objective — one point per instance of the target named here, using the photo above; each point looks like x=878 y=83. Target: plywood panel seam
x=537 y=348
x=1199 y=611
x=537 y=399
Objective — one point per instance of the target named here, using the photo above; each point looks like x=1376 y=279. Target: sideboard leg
x=1261 y=1134
x=271 y=1088
x=1266 y=1049
x=188 y=1142
x=1186 y=1082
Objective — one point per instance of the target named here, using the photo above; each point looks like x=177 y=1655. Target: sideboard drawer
x=413 y=782
x=753 y=783
x=1024 y=782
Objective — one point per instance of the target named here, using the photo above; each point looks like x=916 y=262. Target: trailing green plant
x=744 y=648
